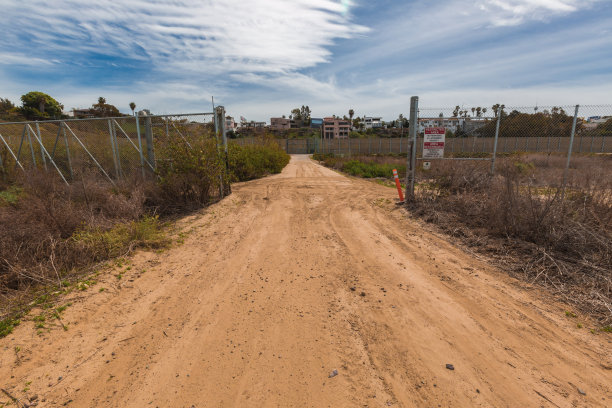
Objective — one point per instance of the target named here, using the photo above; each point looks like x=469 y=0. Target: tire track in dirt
x=264 y=299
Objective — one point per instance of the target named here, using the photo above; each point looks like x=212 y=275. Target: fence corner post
x=569 y=152
x=411 y=162
x=149 y=139
x=495 y=142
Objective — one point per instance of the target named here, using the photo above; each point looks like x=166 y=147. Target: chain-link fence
x=115 y=148
x=521 y=129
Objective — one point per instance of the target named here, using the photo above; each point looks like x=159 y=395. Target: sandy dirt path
x=294 y=276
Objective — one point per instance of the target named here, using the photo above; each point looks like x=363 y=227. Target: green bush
x=187 y=176
x=253 y=161
x=368 y=170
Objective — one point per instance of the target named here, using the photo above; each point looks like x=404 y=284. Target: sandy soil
x=295 y=276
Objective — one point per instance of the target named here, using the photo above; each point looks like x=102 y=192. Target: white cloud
x=193 y=35
x=260 y=58
x=513 y=12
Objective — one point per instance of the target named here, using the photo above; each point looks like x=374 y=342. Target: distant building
x=316 y=123
x=594 y=121
x=335 y=128
x=230 y=124
x=372 y=122
x=452 y=124
x=83 y=113
x=253 y=125
x=280 y=124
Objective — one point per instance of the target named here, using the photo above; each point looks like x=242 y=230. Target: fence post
x=140 y=145
x=495 y=142
x=216 y=122
x=117 y=148
x=569 y=152
x=68 y=152
x=112 y=143
x=516 y=143
x=149 y=139
x=42 y=153
x=225 y=149
x=411 y=162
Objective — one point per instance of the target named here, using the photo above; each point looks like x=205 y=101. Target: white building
x=452 y=124
x=449 y=123
x=371 y=122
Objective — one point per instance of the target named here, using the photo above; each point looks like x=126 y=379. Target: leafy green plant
x=254 y=161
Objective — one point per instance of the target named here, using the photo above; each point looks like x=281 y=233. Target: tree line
x=37 y=105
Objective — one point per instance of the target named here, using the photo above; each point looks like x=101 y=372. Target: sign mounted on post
x=433 y=143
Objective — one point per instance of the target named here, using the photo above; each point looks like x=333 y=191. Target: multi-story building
x=253 y=125
x=230 y=123
x=335 y=128
x=316 y=123
x=372 y=122
x=83 y=113
x=280 y=124
x=452 y=124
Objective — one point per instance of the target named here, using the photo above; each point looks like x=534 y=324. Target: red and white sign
x=433 y=143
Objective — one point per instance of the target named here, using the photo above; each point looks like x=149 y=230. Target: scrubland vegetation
x=51 y=233
x=521 y=217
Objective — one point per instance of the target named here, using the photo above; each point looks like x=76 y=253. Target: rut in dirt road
x=295 y=276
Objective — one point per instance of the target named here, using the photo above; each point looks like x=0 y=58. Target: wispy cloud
x=513 y=12
x=262 y=57
x=191 y=35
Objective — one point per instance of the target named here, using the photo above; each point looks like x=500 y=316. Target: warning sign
x=433 y=143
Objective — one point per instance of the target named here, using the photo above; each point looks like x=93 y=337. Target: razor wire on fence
x=114 y=148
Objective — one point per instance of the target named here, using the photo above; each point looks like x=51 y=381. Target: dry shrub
x=188 y=176
x=561 y=239
x=50 y=230
x=37 y=246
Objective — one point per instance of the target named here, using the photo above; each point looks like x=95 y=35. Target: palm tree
x=484 y=110
x=132 y=107
x=351 y=113
x=473 y=109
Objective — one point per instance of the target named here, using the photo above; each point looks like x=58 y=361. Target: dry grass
x=51 y=232
x=559 y=239
x=521 y=216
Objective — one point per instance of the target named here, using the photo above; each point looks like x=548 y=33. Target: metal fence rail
x=522 y=129
x=115 y=148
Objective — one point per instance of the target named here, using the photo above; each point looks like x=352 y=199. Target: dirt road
x=295 y=276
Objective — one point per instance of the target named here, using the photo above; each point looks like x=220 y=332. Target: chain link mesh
x=114 y=148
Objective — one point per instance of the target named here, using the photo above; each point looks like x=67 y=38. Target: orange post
x=398 y=185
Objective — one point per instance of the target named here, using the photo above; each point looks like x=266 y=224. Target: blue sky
x=261 y=58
